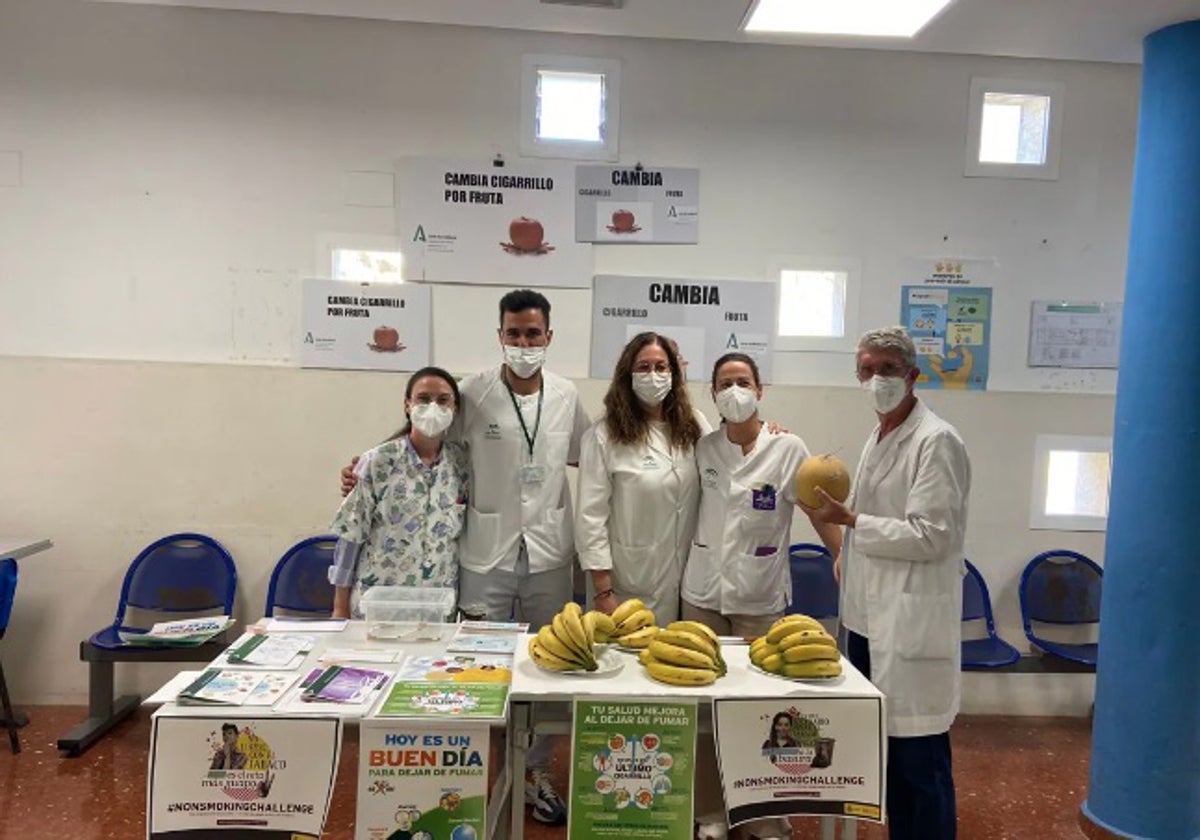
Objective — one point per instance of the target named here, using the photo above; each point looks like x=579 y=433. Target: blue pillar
x=1145 y=768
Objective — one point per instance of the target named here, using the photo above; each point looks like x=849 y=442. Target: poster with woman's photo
x=801 y=756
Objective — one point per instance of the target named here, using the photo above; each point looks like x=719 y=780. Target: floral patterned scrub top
x=406 y=516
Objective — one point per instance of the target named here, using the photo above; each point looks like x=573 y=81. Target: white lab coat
x=902 y=568
x=502 y=509
x=738 y=563
x=637 y=514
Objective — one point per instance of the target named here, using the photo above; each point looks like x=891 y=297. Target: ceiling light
x=872 y=18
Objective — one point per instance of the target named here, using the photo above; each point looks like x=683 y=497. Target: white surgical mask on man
x=651 y=387
x=886 y=392
x=737 y=404
x=524 y=361
x=431 y=419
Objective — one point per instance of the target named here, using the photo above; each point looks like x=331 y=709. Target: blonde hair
x=895 y=339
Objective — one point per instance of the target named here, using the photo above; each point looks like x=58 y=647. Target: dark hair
x=775 y=720
x=736 y=357
x=518 y=300
x=408 y=389
x=625 y=416
x=228 y=727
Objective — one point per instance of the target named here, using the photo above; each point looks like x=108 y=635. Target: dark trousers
x=920 y=785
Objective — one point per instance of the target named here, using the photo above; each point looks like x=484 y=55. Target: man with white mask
x=901 y=580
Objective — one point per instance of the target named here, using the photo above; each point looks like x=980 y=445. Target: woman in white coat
x=639 y=490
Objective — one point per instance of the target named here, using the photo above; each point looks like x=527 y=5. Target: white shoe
x=712 y=827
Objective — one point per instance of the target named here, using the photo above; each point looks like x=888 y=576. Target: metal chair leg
x=10 y=717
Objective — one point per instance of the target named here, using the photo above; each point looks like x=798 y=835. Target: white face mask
x=431 y=419
x=652 y=388
x=737 y=404
x=886 y=392
x=524 y=361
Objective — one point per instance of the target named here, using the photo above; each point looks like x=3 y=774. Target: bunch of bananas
x=797 y=646
x=685 y=653
x=633 y=625
x=568 y=642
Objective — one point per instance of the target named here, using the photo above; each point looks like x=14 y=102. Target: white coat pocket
x=479 y=544
x=760 y=581
x=925 y=626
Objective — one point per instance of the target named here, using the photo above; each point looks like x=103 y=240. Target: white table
x=532 y=686
x=16 y=548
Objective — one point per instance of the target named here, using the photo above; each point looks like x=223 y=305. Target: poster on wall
x=617 y=205
x=470 y=221
x=952 y=328
x=632 y=767
x=364 y=326
x=952 y=271
x=1076 y=334
x=707 y=318
x=417 y=779
x=267 y=777
x=801 y=756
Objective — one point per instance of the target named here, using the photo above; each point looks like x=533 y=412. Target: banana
x=645 y=657
x=697 y=628
x=675 y=675
x=807 y=637
x=544 y=659
x=626 y=609
x=814 y=668
x=636 y=621
x=758 y=644
x=810 y=652
x=573 y=616
x=568 y=638
x=603 y=626
x=772 y=663
x=638 y=638
x=689 y=640
x=786 y=625
x=589 y=627
x=684 y=657
x=757 y=656
x=554 y=645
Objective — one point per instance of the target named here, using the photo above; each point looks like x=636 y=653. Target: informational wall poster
x=1075 y=335
x=632 y=766
x=618 y=205
x=707 y=318
x=801 y=755
x=952 y=328
x=417 y=779
x=269 y=778
x=952 y=271
x=364 y=326
x=470 y=221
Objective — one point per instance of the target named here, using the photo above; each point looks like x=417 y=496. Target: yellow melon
x=824 y=471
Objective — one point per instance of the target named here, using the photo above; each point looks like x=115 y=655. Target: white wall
x=179 y=166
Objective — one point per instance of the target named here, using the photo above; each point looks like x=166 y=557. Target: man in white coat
x=901 y=569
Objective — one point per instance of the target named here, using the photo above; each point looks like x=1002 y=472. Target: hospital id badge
x=532 y=473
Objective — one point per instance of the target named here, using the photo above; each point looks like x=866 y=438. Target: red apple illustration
x=386 y=338
x=526 y=234
x=622 y=220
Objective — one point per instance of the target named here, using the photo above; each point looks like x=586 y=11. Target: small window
x=1071 y=483
x=366 y=266
x=569 y=107
x=1014 y=128
x=817 y=303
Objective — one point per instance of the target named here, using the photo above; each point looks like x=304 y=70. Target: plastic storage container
x=414 y=613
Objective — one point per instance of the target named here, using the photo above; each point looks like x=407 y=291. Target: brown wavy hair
x=625 y=416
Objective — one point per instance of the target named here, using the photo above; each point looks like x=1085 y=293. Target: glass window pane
x=570 y=106
x=366 y=266
x=1015 y=128
x=1077 y=483
x=812 y=303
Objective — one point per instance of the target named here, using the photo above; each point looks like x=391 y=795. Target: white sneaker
x=546 y=805
x=712 y=827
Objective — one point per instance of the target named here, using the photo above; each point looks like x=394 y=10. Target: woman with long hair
x=400 y=524
x=639 y=490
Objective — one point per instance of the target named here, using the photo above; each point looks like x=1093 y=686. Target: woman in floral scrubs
x=401 y=523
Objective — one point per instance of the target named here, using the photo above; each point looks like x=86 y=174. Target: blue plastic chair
x=181 y=573
x=814 y=589
x=989 y=652
x=8 y=591
x=300 y=581
x=1061 y=587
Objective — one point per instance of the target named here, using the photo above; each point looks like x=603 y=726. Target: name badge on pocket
x=763 y=497
x=532 y=473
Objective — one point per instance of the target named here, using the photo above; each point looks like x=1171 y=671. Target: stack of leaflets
x=342 y=684
x=188 y=632
x=487 y=637
x=222 y=687
x=284 y=651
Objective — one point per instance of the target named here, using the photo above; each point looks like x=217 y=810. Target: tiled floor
x=1017 y=779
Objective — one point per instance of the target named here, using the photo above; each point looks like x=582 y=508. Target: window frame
x=532 y=146
x=980 y=86
x=329 y=242
x=852 y=268
x=1039 y=520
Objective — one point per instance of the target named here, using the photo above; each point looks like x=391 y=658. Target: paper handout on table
x=417 y=698
x=223 y=687
x=457 y=667
x=281 y=651
x=304 y=625
x=331 y=656
x=187 y=632
x=487 y=637
x=344 y=684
